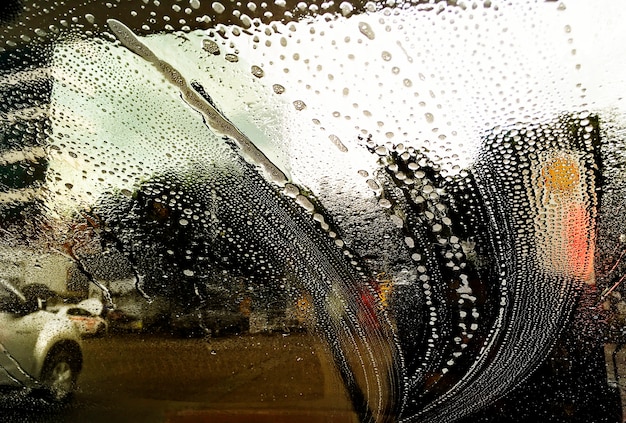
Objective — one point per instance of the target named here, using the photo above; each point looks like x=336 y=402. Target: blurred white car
x=85 y=318
x=39 y=350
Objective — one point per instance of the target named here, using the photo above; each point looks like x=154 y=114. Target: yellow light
x=561 y=174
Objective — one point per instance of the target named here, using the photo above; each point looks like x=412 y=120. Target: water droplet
x=370 y=6
x=305 y=203
x=210 y=46
x=373 y=184
x=233 y=58
x=257 y=71
x=366 y=30
x=346 y=8
x=218 y=7
x=291 y=190
x=337 y=142
x=299 y=105
x=384 y=203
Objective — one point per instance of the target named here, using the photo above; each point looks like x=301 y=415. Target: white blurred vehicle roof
x=93 y=305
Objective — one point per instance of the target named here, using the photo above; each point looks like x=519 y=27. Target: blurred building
x=25 y=90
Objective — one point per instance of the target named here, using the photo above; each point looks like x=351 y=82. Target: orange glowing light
x=561 y=174
x=580 y=242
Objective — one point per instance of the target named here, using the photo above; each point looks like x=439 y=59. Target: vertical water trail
x=213 y=117
x=363 y=345
x=537 y=209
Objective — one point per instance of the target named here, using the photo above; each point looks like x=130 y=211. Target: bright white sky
x=424 y=79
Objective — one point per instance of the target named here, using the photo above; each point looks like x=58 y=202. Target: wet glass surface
x=313 y=211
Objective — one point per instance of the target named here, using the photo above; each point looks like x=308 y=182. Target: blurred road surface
x=148 y=378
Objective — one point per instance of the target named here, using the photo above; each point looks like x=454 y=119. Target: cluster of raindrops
x=235 y=128
x=283 y=51
x=422 y=209
x=235 y=225
x=283 y=55
x=461 y=246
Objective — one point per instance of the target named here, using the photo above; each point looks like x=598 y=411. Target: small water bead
x=373 y=184
x=291 y=190
x=346 y=8
x=384 y=203
x=366 y=29
x=337 y=143
x=210 y=46
x=381 y=150
x=299 y=105
x=305 y=203
x=218 y=7
x=257 y=71
x=233 y=58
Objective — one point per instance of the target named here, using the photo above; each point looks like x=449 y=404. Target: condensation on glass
x=429 y=193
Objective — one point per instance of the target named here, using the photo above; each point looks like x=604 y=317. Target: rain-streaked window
x=312 y=211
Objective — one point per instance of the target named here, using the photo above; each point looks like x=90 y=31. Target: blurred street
x=148 y=378
x=251 y=378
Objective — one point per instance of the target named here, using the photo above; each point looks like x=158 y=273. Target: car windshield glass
x=10 y=298
x=380 y=211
